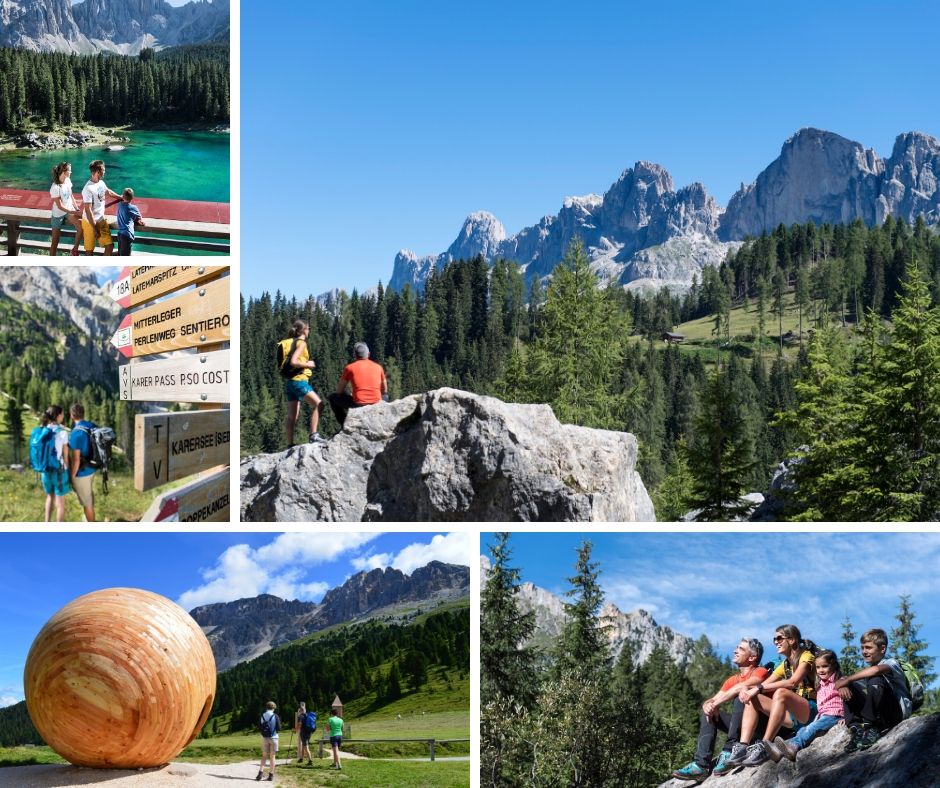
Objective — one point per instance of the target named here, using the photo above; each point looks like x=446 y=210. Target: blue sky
x=42 y=572
x=728 y=586
x=373 y=126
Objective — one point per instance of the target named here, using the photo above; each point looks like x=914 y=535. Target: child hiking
x=269 y=726
x=829 y=709
x=788 y=699
x=48 y=454
x=63 y=207
x=128 y=219
x=295 y=366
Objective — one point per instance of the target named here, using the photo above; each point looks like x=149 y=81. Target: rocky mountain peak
x=481 y=234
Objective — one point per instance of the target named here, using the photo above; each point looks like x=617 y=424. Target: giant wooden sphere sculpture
x=120 y=678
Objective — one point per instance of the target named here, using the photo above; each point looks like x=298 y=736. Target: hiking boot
x=724 y=765
x=774 y=750
x=756 y=754
x=869 y=736
x=270 y=778
x=790 y=750
x=856 y=732
x=260 y=775
x=315 y=438
x=691 y=771
x=738 y=754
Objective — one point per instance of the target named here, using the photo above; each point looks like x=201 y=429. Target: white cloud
x=275 y=568
x=375 y=561
x=452 y=548
x=8 y=700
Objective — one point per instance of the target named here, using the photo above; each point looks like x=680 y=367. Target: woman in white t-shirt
x=63 y=206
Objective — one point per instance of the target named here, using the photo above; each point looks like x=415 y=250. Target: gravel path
x=181 y=775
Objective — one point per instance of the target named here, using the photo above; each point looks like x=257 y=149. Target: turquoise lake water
x=182 y=165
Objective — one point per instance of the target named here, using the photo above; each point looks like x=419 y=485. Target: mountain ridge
x=643 y=232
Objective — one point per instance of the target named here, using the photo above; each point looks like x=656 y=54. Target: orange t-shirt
x=366 y=377
x=738 y=678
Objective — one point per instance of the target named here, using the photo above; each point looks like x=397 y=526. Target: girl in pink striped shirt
x=829 y=710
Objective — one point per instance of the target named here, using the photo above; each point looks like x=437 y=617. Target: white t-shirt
x=94 y=194
x=64 y=192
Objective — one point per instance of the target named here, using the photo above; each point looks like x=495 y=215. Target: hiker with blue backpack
x=89 y=451
x=305 y=724
x=49 y=456
x=269 y=726
x=879 y=696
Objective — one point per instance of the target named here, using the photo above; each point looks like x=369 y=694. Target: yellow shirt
x=807 y=688
x=304 y=374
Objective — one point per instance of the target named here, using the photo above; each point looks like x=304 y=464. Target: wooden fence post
x=431 y=745
x=13 y=238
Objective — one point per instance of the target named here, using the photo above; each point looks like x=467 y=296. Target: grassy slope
x=22 y=498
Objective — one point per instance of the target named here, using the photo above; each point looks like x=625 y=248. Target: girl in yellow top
x=787 y=698
x=297 y=388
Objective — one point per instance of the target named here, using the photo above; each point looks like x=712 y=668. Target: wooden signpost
x=171 y=446
x=196 y=377
x=204 y=500
x=197 y=317
x=194 y=443
x=138 y=284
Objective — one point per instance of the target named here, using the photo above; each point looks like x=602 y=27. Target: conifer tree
x=906 y=644
x=506 y=663
x=582 y=648
x=850 y=657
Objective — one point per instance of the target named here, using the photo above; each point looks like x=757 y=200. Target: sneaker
x=774 y=750
x=756 y=754
x=738 y=754
x=790 y=750
x=315 y=438
x=691 y=771
x=260 y=775
x=74 y=253
x=869 y=736
x=856 y=731
x=724 y=765
x=270 y=778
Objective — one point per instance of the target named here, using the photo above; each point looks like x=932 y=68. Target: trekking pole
x=291 y=742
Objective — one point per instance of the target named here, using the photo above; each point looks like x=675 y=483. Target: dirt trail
x=181 y=775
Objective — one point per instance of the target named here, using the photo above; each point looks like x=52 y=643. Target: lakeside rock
x=53 y=140
x=449 y=455
x=904 y=758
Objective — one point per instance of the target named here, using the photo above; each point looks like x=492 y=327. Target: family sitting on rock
x=364 y=376
x=90 y=223
x=776 y=713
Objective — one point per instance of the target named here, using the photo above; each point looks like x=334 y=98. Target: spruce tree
x=582 y=648
x=906 y=645
x=506 y=663
x=850 y=657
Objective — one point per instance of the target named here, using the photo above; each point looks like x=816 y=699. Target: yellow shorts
x=101 y=230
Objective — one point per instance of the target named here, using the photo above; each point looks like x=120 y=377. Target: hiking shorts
x=336 y=741
x=56 y=482
x=58 y=222
x=296 y=390
x=305 y=734
x=83 y=489
x=812 y=716
x=101 y=230
x=268 y=746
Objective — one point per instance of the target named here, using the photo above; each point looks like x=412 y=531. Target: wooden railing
x=432 y=743
x=203 y=237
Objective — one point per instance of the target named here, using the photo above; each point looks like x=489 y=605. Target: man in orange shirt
x=747 y=657
x=367 y=380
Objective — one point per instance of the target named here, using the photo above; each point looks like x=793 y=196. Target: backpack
x=285 y=351
x=42 y=454
x=100 y=443
x=309 y=721
x=915 y=686
x=269 y=725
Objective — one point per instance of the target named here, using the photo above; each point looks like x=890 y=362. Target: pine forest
x=811 y=361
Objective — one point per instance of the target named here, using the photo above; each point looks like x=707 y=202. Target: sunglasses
x=779 y=639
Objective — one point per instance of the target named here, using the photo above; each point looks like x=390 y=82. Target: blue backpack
x=42 y=454
x=269 y=725
x=309 y=721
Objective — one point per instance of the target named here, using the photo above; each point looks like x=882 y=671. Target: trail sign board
x=138 y=284
x=197 y=377
x=203 y=500
x=171 y=446
x=197 y=317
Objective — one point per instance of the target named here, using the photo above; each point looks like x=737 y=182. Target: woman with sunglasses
x=787 y=698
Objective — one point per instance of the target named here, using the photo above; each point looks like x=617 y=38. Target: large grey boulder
x=906 y=757
x=449 y=455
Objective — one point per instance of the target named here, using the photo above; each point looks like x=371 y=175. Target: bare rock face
x=449 y=455
x=904 y=758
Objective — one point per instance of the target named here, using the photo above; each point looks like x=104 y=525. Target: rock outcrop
x=448 y=455
x=906 y=757
x=121 y=26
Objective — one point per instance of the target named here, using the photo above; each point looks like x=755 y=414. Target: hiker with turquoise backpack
x=295 y=366
x=880 y=696
x=48 y=454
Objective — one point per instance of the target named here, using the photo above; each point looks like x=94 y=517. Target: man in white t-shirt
x=94 y=225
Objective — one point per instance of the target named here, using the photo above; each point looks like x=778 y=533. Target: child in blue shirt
x=128 y=218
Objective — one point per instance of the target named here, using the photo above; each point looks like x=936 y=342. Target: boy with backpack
x=269 y=726
x=49 y=456
x=880 y=696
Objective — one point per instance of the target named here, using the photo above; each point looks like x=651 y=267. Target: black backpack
x=269 y=725
x=100 y=444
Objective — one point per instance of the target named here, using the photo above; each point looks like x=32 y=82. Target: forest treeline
x=642 y=719
x=185 y=84
x=388 y=660
x=711 y=426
